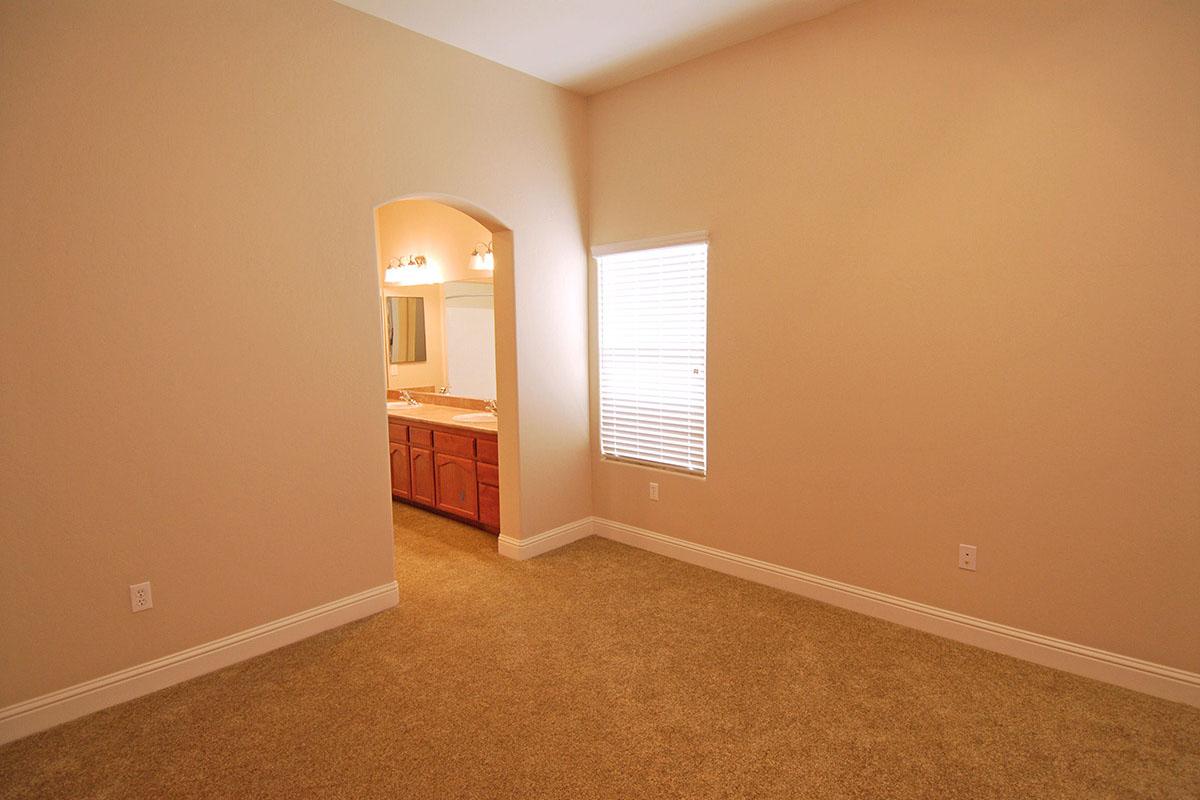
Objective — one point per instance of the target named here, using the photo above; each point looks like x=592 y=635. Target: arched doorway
x=451 y=263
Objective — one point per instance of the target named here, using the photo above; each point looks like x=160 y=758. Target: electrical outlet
x=654 y=492
x=140 y=598
x=966 y=557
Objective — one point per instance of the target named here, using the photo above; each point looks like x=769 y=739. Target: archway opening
x=448 y=323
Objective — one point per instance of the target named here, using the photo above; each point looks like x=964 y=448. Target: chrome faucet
x=405 y=397
x=490 y=405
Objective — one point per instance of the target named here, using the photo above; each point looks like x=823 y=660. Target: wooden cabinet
x=454 y=444
x=457 y=485
x=489 y=492
x=488 y=473
x=487 y=450
x=489 y=506
x=401 y=471
x=450 y=470
x=422 y=476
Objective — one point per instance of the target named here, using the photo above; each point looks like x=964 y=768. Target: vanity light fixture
x=407 y=270
x=481 y=257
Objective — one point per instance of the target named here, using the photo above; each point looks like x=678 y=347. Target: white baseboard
x=1132 y=673
x=546 y=541
x=31 y=716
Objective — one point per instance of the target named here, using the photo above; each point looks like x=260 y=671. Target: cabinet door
x=401 y=483
x=489 y=505
x=457 y=489
x=421 y=475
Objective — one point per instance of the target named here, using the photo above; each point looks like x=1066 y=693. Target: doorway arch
x=503 y=286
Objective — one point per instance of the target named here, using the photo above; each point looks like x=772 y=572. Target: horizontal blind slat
x=653 y=330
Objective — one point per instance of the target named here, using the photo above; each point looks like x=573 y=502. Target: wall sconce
x=407 y=270
x=481 y=257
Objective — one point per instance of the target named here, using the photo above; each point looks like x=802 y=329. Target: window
x=653 y=318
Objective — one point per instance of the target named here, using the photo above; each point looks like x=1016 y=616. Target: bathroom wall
x=193 y=390
x=953 y=298
x=444 y=235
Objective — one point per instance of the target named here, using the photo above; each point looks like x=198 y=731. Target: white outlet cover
x=140 y=598
x=967 y=557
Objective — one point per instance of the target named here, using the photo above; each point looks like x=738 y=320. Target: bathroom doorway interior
x=437 y=273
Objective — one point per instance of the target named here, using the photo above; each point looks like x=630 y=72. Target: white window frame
x=611 y=450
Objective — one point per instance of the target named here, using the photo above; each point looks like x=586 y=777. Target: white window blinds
x=653 y=307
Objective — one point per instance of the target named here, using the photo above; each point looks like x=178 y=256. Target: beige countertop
x=440 y=415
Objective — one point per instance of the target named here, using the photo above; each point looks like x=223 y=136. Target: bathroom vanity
x=446 y=465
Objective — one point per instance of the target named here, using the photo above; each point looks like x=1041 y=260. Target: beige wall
x=446 y=237
x=954 y=293
x=192 y=391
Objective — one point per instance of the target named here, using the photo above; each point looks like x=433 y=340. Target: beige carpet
x=602 y=671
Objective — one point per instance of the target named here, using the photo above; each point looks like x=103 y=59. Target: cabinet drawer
x=488 y=452
x=489 y=474
x=453 y=444
x=420 y=436
x=397 y=432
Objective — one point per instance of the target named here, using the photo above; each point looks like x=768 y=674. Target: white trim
x=694 y=237
x=31 y=716
x=1132 y=673
x=522 y=549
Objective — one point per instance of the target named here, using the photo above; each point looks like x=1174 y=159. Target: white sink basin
x=477 y=416
x=401 y=406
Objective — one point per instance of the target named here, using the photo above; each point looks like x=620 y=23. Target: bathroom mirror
x=406 y=329
x=470 y=324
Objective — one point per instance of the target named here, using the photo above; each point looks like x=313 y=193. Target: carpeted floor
x=601 y=671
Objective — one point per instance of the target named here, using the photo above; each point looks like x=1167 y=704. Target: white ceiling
x=592 y=45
